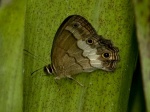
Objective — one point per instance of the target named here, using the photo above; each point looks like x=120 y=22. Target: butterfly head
x=48 y=69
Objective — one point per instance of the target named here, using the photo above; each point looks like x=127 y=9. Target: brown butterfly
x=78 y=48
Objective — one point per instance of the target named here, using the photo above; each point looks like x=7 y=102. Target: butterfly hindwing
x=77 y=48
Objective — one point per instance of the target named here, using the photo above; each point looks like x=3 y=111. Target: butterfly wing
x=77 y=48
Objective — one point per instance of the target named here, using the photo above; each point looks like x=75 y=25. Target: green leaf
x=11 y=54
x=136 y=100
x=142 y=15
x=103 y=91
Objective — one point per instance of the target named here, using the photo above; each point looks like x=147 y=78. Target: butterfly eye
x=105 y=55
x=89 y=41
x=75 y=25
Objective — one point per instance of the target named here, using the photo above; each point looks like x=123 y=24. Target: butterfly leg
x=74 y=80
x=57 y=78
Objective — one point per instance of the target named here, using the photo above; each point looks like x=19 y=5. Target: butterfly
x=78 y=48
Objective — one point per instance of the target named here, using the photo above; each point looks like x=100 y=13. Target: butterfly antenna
x=35 y=57
x=36 y=70
x=75 y=80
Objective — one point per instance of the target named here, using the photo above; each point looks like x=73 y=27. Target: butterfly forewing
x=66 y=56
